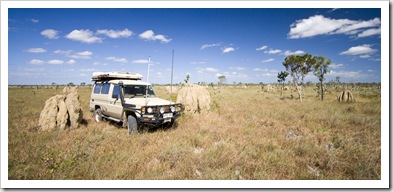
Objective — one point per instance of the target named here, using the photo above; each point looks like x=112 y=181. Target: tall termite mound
x=61 y=112
x=345 y=96
x=195 y=99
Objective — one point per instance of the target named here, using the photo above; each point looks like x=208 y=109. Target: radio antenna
x=147 y=85
x=173 y=58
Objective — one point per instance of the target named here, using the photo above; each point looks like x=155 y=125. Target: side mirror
x=115 y=96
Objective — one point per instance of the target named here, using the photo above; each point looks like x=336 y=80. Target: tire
x=132 y=125
x=98 y=115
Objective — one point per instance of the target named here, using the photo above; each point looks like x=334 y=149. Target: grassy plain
x=249 y=134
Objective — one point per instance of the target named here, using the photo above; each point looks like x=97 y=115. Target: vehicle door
x=114 y=106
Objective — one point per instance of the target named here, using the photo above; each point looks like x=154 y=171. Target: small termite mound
x=195 y=99
x=345 y=96
x=269 y=88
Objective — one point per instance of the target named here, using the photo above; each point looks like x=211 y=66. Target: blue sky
x=246 y=45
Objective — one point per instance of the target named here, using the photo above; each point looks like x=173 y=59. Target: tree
x=223 y=79
x=281 y=78
x=338 y=79
x=298 y=67
x=187 y=78
x=320 y=69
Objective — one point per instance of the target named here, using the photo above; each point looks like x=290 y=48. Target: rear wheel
x=98 y=115
x=132 y=125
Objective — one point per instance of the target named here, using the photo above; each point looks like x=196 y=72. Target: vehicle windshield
x=138 y=91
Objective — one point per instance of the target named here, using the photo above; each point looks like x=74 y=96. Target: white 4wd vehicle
x=122 y=97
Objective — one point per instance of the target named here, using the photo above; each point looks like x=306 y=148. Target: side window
x=116 y=91
x=105 y=88
x=97 y=88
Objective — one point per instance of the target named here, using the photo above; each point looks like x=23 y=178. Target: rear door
x=98 y=99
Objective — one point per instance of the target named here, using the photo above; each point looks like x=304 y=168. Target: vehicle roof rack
x=104 y=76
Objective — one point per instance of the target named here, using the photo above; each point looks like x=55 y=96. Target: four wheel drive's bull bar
x=156 y=116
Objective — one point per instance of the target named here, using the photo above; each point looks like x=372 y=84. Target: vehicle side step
x=113 y=119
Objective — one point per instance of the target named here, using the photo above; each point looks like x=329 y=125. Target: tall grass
x=249 y=134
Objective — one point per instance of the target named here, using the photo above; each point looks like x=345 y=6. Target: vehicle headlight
x=173 y=109
x=162 y=110
x=149 y=110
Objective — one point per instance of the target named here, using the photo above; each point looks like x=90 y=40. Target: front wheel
x=132 y=125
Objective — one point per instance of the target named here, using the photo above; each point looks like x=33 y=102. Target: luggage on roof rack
x=101 y=76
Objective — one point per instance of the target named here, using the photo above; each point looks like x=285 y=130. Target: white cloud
x=88 y=69
x=149 y=35
x=357 y=25
x=298 y=52
x=334 y=66
x=370 y=32
x=50 y=33
x=319 y=25
x=71 y=61
x=115 y=34
x=228 y=49
x=35 y=20
x=259 y=69
x=268 y=60
x=347 y=74
x=79 y=55
x=237 y=75
x=233 y=75
x=32 y=69
x=359 y=50
x=197 y=62
x=374 y=59
x=36 y=62
x=36 y=50
x=140 y=61
x=365 y=56
x=331 y=10
x=210 y=45
x=61 y=52
x=117 y=59
x=82 y=55
x=273 y=51
x=84 y=36
x=261 y=48
x=267 y=74
x=55 y=62
x=208 y=69
x=237 y=68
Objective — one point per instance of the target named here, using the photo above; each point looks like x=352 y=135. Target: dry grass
x=249 y=134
